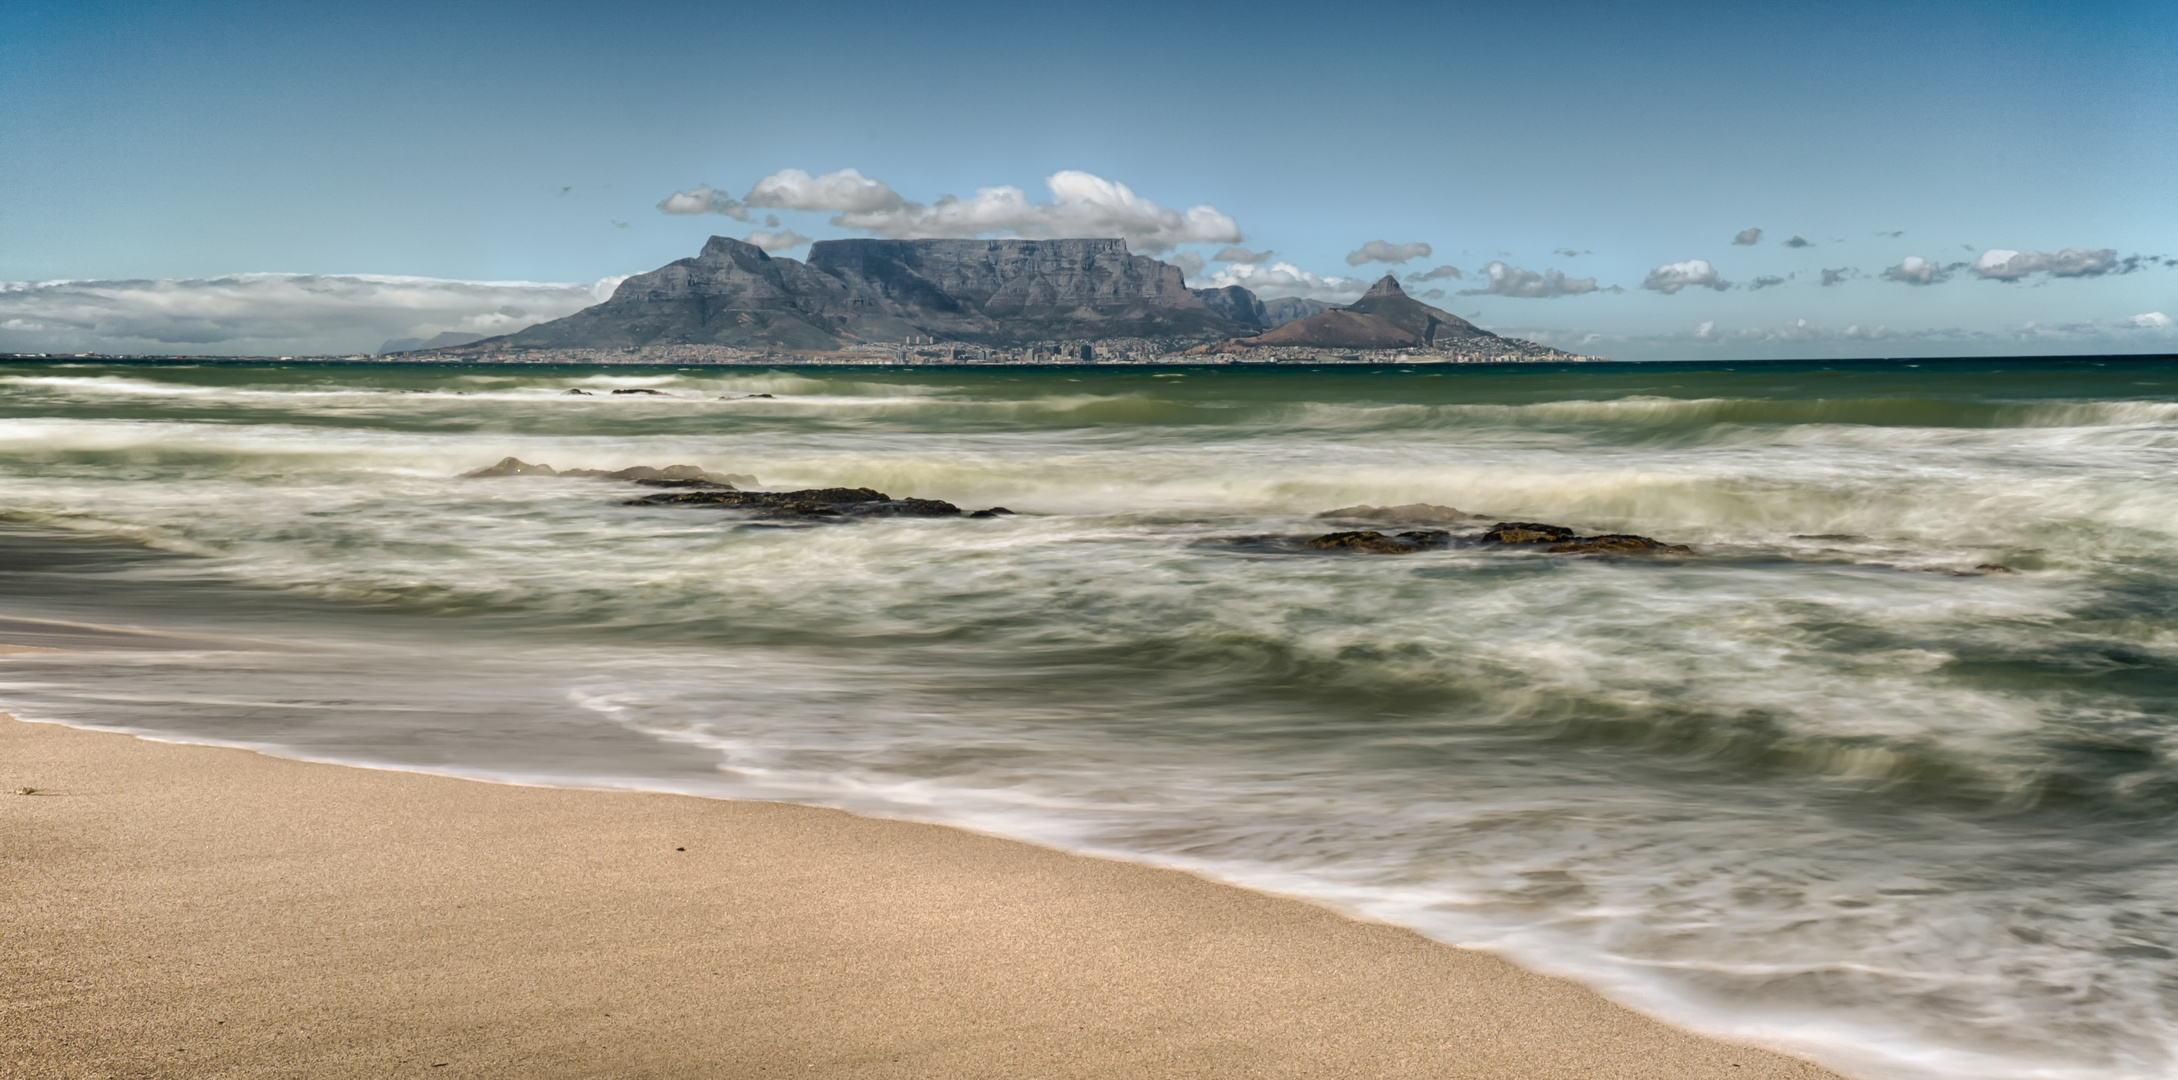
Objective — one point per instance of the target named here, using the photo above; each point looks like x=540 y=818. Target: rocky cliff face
x=1285 y=309
x=731 y=294
x=1237 y=304
x=996 y=292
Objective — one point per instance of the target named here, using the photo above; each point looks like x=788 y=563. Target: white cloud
x=776 y=241
x=1513 y=281
x=1693 y=273
x=1242 y=255
x=1440 y=273
x=272 y=314
x=842 y=192
x=1286 y=279
x=1748 y=236
x=2154 y=320
x=1915 y=270
x=1081 y=205
x=1799 y=242
x=2000 y=265
x=1380 y=251
x=1189 y=262
x=1765 y=282
x=701 y=199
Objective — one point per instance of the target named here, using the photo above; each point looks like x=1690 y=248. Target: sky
x=1644 y=181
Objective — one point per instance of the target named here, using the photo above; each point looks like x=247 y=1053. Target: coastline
x=185 y=910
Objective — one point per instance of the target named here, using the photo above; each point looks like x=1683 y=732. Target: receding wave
x=1880 y=771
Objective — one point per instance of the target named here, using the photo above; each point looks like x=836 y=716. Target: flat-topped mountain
x=996 y=293
x=990 y=292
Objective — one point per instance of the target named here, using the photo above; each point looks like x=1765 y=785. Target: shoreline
x=187 y=910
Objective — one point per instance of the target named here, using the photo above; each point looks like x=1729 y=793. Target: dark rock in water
x=1377 y=543
x=575 y=393
x=1995 y=568
x=996 y=511
x=700 y=485
x=643 y=390
x=813 y=503
x=513 y=467
x=1409 y=514
x=1526 y=532
x=743 y=397
x=1562 y=540
x=1617 y=544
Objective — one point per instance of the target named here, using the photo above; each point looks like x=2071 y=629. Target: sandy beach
x=187 y=911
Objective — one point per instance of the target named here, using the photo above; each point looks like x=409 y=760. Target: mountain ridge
x=999 y=294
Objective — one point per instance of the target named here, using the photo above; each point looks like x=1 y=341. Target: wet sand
x=183 y=911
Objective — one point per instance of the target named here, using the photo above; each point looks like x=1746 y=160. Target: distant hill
x=988 y=292
x=1387 y=318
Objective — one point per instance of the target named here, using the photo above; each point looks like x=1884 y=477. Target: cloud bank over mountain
x=1286 y=279
x=1385 y=252
x=273 y=314
x=1081 y=205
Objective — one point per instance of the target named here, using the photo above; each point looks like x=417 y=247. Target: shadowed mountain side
x=1339 y=329
x=1237 y=304
x=995 y=292
x=1387 y=318
x=1387 y=301
x=1285 y=309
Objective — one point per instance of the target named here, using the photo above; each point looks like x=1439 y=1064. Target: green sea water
x=1829 y=783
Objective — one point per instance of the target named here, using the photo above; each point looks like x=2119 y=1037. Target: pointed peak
x=1386 y=286
x=726 y=247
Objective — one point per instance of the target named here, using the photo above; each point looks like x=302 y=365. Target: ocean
x=1884 y=772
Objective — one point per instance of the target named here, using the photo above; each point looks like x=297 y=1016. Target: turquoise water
x=1821 y=785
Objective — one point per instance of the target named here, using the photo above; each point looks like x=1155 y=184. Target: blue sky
x=174 y=146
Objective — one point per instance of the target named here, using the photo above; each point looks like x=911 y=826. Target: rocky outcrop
x=991 y=292
x=1563 y=541
x=1555 y=539
x=812 y=504
x=1376 y=543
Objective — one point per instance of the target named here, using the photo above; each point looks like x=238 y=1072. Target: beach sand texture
x=186 y=911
